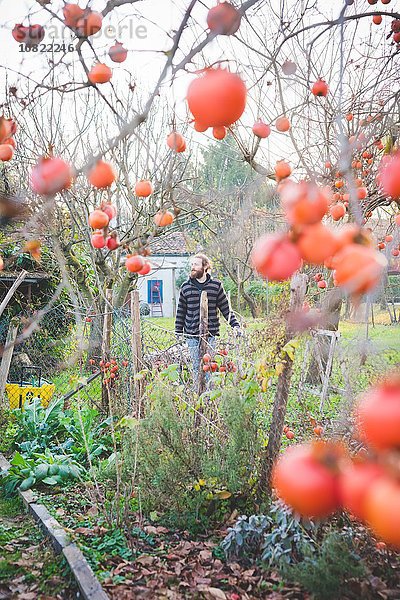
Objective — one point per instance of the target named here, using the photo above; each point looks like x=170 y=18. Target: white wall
x=163 y=268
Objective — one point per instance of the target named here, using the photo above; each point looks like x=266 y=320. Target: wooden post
x=174 y=291
x=239 y=287
x=7 y=354
x=203 y=337
x=136 y=344
x=298 y=286
x=106 y=341
x=11 y=291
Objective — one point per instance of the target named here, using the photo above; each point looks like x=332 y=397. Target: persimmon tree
x=41 y=108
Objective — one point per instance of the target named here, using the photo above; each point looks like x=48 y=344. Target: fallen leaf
x=93 y=511
x=150 y=529
x=205 y=555
x=84 y=531
x=145 y=560
x=223 y=494
x=162 y=530
x=215 y=593
x=23 y=562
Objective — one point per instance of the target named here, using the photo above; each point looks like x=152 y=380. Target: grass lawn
x=383 y=335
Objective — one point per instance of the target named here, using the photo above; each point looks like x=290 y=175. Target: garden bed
x=149 y=498
x=145 y=559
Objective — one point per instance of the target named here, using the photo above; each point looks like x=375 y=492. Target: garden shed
x=159 y=289
x=32 y=286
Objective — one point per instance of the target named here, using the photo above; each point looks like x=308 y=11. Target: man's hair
x=205 y=261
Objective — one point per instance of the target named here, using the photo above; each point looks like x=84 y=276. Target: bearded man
x=187 y=322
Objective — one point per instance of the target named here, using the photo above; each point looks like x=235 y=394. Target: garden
x=136 y=134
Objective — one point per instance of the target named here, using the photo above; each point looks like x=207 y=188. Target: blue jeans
x=195 y=355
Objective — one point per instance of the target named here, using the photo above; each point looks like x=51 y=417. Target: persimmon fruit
x=118 y=53
x=6 y=152
x=378 y=414
x=90 y=23
x=100 y=73
x=223 y=19
x=354 y=483
x=282 y=124
x=358 y=269
x=134 y=263
x=303 y=479
x=143 y=188
x=217 y=98
x=72 y=13
x=316 y=243
x=98 y=219
x=282 y=170
x=98 y=240
x=320 y=88
x=261 y=129
x=304 y=203
x=382 y=510
x=275 y=257
x=176 y=142
x=102 y=175
x=50 y=176
x=163 y=218
x=337 y=211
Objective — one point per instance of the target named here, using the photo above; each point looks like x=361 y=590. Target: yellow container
x=19 y=394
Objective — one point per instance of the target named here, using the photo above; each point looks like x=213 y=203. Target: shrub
x=277 y=538
x=325 y=573
x=144 y=309
x=8 y=429
x=182 y=276
x=37 y=426
x=46 y=469
x=88 y=438
x=294 y=546
x=245 y=539
x=194 y=474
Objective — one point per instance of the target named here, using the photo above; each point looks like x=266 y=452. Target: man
x=188 y=312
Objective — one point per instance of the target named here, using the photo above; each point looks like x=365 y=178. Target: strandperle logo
x=126 y=29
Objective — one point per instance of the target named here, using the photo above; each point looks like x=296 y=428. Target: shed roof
x=173 y=244
x=8 y=276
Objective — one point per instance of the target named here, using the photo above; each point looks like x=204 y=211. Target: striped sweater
x=188 y=311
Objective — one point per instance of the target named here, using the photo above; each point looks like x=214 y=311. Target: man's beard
x=197 y=273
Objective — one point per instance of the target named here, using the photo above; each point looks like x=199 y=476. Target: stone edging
x=87 y=582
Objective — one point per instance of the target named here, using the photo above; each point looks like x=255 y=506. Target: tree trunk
x=136 y=349
x=298 y=287
x=252 y=304
x=106 y=347
x=239 y=288
x=77 y=275
x=347 y=311
x=123 y=290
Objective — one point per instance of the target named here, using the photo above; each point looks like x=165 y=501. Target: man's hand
x=179 y=337
x=237 y=332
